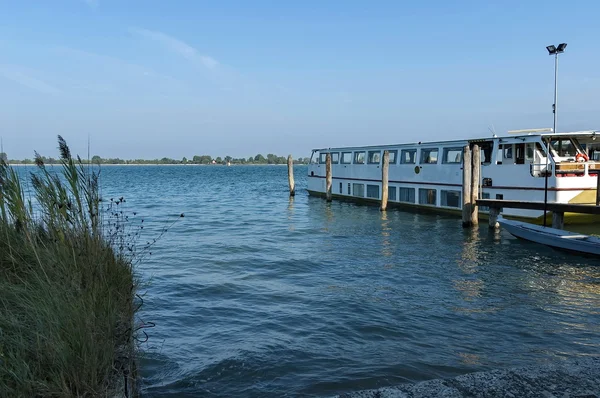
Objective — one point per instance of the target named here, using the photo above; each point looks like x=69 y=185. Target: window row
x=407 y=156
x=426 y=196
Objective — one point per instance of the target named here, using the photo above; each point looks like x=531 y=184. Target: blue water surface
x=255 y=294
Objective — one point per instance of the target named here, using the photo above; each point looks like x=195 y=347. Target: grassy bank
x=67 y=286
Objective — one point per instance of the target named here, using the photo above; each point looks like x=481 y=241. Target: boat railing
x=577 y=169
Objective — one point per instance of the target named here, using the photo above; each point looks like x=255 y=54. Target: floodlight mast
x=552 y=50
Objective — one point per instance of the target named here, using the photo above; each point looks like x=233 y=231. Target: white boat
x=553 y=237
x=429 y=174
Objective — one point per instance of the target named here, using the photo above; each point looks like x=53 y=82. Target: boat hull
x=570 y=218
x=394 y=205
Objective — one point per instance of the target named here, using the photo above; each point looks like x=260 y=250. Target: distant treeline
x=203 y=159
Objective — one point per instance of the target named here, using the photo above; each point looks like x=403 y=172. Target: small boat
x=553 y=237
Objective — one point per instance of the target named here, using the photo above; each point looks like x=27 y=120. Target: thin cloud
x=111 y=73
x=92 y=3
x=177 y=46
x=19 y=76
x=101 y=59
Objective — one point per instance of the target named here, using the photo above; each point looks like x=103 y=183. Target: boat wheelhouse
x=428 y=175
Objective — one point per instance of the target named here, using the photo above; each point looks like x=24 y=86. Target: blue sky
x=147 y=79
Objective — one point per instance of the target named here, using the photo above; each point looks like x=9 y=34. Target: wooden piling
x=291 y=176
x=475 y=178
x=558 y=220
x=466 y=187
x=384 y=180
x=494 y=213
x=328 y=176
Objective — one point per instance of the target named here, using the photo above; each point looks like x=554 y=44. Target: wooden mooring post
x=328 y=176
x=384 y=180
x=475 y=174
x=466 y=187
x=291 y=175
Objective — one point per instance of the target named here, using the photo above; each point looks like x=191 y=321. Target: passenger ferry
x=428 y=175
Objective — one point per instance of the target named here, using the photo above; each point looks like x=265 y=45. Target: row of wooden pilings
x=328 y=178
x=470 y=184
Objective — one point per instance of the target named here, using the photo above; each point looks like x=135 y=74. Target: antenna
x=492 y=130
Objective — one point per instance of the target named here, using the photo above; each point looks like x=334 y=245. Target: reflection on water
x=469 y=260
x=290 y=214
x=469 y=289
x=387 y=249
x=469 y=359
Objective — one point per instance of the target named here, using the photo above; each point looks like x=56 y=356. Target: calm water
x=256 y=295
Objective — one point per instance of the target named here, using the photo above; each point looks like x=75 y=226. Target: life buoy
x=582 y=157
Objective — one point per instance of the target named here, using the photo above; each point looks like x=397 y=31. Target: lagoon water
x=257 y=295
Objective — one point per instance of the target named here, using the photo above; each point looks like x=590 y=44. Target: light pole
x=552 y=50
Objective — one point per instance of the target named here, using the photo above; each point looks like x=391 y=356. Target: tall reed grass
x=67 y=284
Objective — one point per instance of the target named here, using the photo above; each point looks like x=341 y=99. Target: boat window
x=406 y=195
x=486 y=149
x=349 y=192
x=507 y=151
x=359 y=157
x=563 y=147
x=346 y=157
x=358 y=190
x=392 y=193
x=373 y=191
x=541 y=149
x=427 y=196
x=335 y=157
x=594 y=152
x=393 y=156
x=374 y=157
x=408 y=156
x=429 y=155
x=520 y=153
x=484 y=195
x=529 y=150
x=450 y=198
x=452 y=155
x=341 y=187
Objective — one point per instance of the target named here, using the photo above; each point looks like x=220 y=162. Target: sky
x=152 y=79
